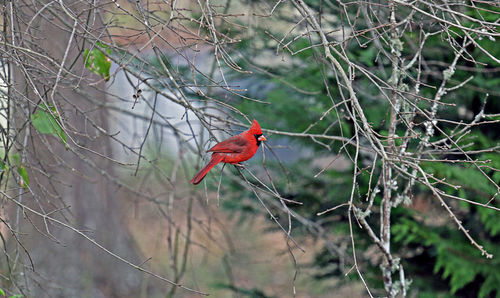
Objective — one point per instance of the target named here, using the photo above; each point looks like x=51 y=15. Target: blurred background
x=379 y=177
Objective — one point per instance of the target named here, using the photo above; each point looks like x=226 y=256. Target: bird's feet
x=239 y=165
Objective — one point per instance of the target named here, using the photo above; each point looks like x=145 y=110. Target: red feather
x=235 y=144
x=216 y=158
x=234 y=150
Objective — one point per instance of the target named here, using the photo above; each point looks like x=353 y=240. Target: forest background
x=379 y=178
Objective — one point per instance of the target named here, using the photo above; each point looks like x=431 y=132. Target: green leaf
x=45 y=123
x=3 y=167
x=2 y=292
x=97 y=62
x=490 y=218
x=21 y=170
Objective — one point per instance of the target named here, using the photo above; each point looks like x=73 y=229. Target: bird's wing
x=235 y=144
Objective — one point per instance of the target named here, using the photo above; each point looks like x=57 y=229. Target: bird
x=234 y=150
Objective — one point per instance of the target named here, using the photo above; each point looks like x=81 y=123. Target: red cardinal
x=233 y=150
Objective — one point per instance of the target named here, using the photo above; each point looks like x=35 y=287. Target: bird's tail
x=216 y=158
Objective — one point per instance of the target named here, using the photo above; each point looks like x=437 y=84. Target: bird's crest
x=255 y=128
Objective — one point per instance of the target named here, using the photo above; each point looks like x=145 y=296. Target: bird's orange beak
x=262 y=138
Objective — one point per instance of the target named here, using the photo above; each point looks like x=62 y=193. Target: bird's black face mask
x=259 y=138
